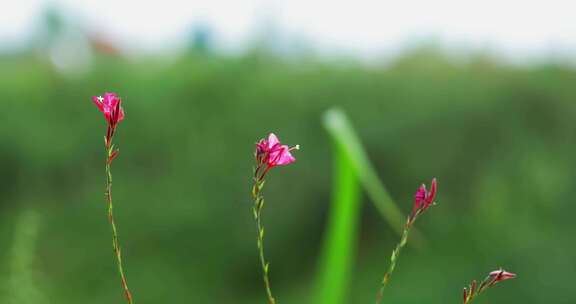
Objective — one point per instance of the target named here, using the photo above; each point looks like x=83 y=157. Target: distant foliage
x=499 y=137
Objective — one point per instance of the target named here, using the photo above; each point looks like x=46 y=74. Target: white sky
x=362 y=27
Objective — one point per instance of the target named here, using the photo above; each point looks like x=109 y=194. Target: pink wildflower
x=273 y=153
x=111 y=106
x=423 y=198
x=500 y=275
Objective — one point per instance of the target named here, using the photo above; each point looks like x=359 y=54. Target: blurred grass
x=338 y=253
x=500 y=139
x=341 y=130
x=23 y=288
x=351 y=162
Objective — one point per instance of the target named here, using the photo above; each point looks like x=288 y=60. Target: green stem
x=393 y=260
x=257 y=210
x=115 y=242
x=473 y=292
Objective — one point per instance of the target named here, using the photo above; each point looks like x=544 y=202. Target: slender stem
x=473 y=292
x=257 y=210
x=472 y=295
x=394 y=259
x=115 y=242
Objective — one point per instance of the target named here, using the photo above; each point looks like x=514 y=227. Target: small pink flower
x=111 y=106
x=500 y=275
x=273 y=153
x=420 y=197
x=423 y=198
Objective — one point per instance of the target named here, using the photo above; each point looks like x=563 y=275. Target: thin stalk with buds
x=115 y=242
x=110 y=105
x=257 y=212
x=269 y=154
x=423 y=200
x=474 y=290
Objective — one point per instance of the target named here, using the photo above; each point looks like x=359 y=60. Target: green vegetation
x=499 y=138
x=341 y=232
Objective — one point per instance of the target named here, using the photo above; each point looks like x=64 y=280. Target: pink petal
x=280 y=156
x=118 y=111
x=274 y=156
x=98 y=103
x=121 y=115
x=508 y=275
x=419 y=199
x=501 y=275
x=272 y=141
x=420 y=196
x=110 y=102
x=110 y=98
x=432 y=194
x=285 y=157
x=261 y=147
x=495 y=272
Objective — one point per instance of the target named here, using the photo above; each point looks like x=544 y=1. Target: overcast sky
x=361 y=27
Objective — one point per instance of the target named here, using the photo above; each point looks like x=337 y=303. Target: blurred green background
x=499 y=138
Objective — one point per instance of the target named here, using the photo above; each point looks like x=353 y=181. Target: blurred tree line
x=500 y=139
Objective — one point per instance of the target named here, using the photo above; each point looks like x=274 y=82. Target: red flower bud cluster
x=111 y=106
x=423 y=200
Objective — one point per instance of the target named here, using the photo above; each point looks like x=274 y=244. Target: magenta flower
x=269 y=154
x=111 y=106
x=423 y=198
x=272 y=153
